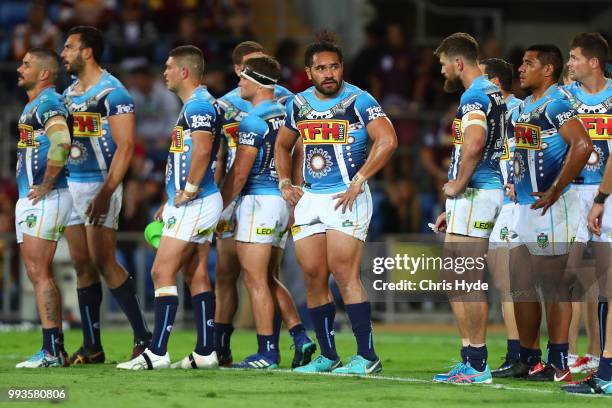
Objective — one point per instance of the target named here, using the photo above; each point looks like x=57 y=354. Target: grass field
x=409 y=361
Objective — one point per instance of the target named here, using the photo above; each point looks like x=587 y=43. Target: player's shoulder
x=253 y=121
x=281 y=92
x=513 y=102
x=476 y=97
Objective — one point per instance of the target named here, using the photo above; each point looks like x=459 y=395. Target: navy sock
x=204 y=314
x=602 y=316
x=605 y=369
x=276 y=327
x=165 y=312
x=90 y=299
x=513 y=350
x=323 y=321
x=298 y=334
x=557 y=355
x=61 y=341
x=464 y=354
x=223 y=337
x=52 y=341
x=266 y=345
x=477 y=357
x=531 y=357
x=360 y=315
x=125 y=295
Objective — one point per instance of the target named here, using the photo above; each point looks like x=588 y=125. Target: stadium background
x=388 y=46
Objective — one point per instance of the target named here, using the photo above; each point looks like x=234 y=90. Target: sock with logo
x=165 y=312
x=323 y=320
x=477 y=357
x=513 y=350
x=267 y=347
x=204 y=314
x=531 y=357
x=90 y=299
x=51 y=341
x=360 y=315
x=557 y=355
x=602 y=316
x=125 y=295
x=223 y=337
x=605 y=369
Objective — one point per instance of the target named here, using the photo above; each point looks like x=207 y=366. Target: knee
x=37 y=273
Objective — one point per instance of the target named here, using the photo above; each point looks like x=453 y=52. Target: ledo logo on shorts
x=265 y=231
x=26 y=136
x=178 y=142
x=86 y=124
x=484 y=225
x=231 y=133
x=598 y=126
x=527 y=136
x=324 y=131
x=456 y=132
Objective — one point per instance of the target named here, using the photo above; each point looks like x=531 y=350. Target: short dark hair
x=90 y=37
x=593 y=45
x=264 y=65
x=500 y=69
x=325 y=41
x=549 y=54
x=459 y=45
x=191 y=56
x=245 y=48
x=48 y=58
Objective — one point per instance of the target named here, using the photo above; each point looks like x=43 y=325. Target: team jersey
x=33 y=144
x=259 y=129
x=334 y=135
x=540 y=149
x=93 y=147
x=197 y=114
x=234 y=109
x=595 y=112
x=482 y=95
x=505 y=161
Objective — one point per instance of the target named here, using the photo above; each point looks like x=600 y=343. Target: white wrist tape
x=191 y=188
x=478 y=120
x=166 y=290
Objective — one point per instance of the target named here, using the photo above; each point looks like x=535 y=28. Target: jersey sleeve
x=473 y=101
x=290 y=118
x=559 y=112
x=251 y=131
x=200 y=116
x=119 y=101
x=49 y=109
x=368 y=109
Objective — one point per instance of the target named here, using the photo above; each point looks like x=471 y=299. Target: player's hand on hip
x=38 y=192
x=440 y=225
x=98 y=208
x=594 y=218
x=182 y=197
x=545 y=199
x=452 y=189
x=292 y=194
x=347 y=198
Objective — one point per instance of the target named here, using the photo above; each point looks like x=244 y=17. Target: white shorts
x=586 y=194
x=315 y=214
x=502 y=233
x=262 y=219
x=194 y=221
x=47 y=219
x=83 y=194
x=551 y=233
x=226 y=227
x=474 y=212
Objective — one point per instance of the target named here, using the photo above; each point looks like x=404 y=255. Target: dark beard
x=452 y=85
x=325 y=92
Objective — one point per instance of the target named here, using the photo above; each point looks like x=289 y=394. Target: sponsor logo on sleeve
x=199 y=121
x=247 y=138
x=125 y=108
x=375 y=112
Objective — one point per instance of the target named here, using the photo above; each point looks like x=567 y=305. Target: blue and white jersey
x=259 y=129
x=595 y=112
x=33 y=144
x=234 y=109
x=540 y=149
x=334 y=135
x=505 y=161
x=93 y=147
x=483 y=96
x=197 y=114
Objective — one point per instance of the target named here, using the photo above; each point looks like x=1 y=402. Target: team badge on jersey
x=326 y=131
x=527 y=136
x=86 y=124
